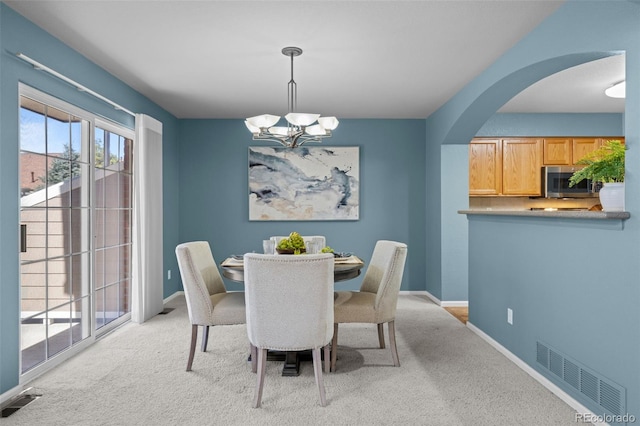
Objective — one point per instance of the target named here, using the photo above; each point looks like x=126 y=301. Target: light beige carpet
x=448 y=376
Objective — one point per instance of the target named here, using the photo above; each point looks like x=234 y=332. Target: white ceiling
x=362 y=59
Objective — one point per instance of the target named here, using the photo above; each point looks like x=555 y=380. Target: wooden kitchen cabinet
x=505 y=167
x=513 y=166
x=521 y=166
x=485 y=167
x=583 y=146
x=558 y=152
x=568 y=151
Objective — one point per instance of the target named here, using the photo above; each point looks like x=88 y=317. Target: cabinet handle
x=23 y=238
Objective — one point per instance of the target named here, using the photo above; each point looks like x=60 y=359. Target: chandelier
x=301 y=127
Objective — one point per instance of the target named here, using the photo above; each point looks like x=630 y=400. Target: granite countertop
x=567 y=214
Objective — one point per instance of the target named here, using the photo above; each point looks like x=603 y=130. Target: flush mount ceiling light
x=301 y=127
x=617 y=90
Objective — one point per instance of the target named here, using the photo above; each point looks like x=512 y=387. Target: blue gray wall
x=552 y=272
x=214 y=191
x=550 y=125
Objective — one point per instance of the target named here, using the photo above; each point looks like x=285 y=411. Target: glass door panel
x=55 y=230
x=113 y=213
x=59 y=329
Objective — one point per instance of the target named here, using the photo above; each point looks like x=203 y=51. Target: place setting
x=347 y=265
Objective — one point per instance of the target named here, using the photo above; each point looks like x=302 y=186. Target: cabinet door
x=557 y=152
x=485 y=167
x=583 y=146
x=522 y=166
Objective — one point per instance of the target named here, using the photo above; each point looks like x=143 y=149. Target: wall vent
x=607 y=394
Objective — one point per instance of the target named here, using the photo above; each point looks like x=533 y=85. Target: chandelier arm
x=295 y=137
x=270 y=139
x=312 y=139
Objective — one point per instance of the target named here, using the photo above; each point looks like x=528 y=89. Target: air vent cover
x=607 y=394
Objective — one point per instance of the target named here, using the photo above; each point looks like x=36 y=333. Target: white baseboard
x=433 y=298
x=444 y=303
x=568 y=399
x=173 y=296
x=415 y=293
x=454 y=303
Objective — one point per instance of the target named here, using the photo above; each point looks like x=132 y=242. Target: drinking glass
x=268 y=246
x=312 y=247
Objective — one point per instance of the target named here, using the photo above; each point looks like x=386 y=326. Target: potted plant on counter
x=605 y=165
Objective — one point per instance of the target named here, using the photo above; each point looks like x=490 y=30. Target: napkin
x=350 y=259
x=230 y=261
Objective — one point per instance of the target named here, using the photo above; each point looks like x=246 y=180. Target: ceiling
x=361 y=59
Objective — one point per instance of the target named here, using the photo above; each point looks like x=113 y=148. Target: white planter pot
x=612 y=197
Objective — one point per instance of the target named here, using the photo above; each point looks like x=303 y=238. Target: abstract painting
x=305 y=183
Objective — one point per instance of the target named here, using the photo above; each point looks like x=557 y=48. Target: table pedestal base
x=291 y=366
x=291 y=359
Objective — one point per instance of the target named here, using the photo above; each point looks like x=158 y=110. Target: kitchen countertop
x=567 y=214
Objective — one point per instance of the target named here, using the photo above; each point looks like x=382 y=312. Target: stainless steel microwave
x=555 y=183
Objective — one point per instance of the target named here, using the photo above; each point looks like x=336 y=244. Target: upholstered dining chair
x=377 y=299
x=208 y=302
x=289 y=308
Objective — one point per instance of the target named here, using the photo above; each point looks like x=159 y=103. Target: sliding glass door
x=75 y=227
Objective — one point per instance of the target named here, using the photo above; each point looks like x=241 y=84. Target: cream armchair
x=208 y=302
x=377 y=299
x=289 y=308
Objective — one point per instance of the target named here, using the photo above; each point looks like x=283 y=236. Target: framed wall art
x=305 y=183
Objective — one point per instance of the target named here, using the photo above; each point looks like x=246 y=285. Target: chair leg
x=334 y=347
x=317 y=369
x=381 y=335
x=327 y=358
x=392 y=343
x=205 y=337
x=262 y=367
x=192 y=349
x=254 y=359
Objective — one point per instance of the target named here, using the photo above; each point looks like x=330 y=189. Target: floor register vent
x=607 y=394
x=22 y=400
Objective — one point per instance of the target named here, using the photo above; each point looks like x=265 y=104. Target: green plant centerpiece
x=605 y=164
x=294 y=244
